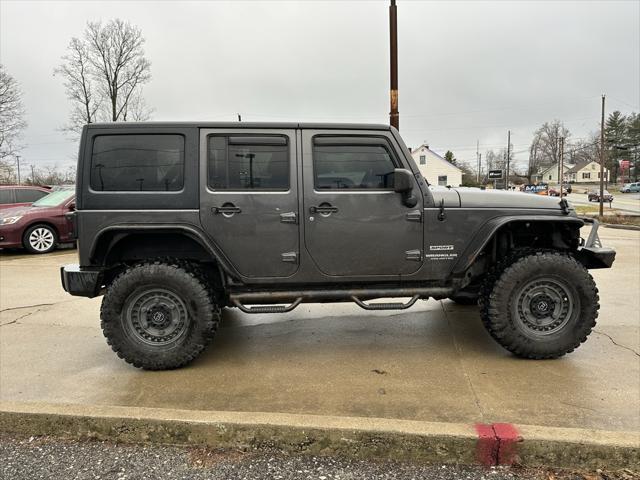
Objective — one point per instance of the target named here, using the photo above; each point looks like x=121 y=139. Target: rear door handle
x=226 y=209
x=323 y=209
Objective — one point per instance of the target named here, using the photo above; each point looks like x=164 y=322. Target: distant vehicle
x=40 y=227
x=630 y=188
x=539 y=188
x=555 y=191
x=594 y=195
x=21 y=195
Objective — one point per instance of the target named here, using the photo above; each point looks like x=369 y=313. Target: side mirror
x=72 y=206
x=403 y=183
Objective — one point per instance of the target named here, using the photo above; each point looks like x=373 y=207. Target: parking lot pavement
x=433 y=362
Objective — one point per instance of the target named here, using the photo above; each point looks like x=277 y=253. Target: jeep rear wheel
x=541 y=306
x=159 y=315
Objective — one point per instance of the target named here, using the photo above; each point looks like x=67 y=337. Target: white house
x=585 y=172
x=550 y=174
x=435 y=168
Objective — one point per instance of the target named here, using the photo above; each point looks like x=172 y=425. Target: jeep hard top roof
x=274 y=125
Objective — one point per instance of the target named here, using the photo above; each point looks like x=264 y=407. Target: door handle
x=226 y=209
x=323 y=209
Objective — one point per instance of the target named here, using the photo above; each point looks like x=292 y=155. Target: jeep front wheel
x=159 y=315
x=541 y=306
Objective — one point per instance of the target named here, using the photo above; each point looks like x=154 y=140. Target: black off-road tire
x=510 y=313
x=174 y=292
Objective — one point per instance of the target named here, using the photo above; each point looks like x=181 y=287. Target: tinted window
x=24 y=195
x=6 y=196
x=248 y=163
x=352 y=166
x=145 y=163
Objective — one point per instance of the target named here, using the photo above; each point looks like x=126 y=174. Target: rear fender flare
x=188 y=231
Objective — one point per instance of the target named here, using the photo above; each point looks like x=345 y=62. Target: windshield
x=54 y=199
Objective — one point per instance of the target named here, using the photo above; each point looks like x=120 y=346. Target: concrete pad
x=432 y=363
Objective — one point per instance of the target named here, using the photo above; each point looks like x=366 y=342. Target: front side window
x=248 y=163
x=28 y=195
x=130 y=163
x=6 y=196
x=442 y=180
x=343 y=166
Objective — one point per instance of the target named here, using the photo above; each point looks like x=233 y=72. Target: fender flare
x=489 y=229
x=187 y=230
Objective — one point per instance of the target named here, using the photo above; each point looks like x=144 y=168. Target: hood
x=28 y=211
x=13 y=211
x=477 y=198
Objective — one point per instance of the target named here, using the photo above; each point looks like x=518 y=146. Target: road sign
x=495 y=174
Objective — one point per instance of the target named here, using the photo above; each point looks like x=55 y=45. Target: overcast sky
x=468 y=70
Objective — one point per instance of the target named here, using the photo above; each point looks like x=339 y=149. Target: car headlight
x=10 y=220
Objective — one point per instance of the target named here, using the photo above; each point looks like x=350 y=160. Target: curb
x=621 y=227
x=355 y=437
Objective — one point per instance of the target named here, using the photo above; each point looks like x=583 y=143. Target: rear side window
x=357 y=166
x=6 y=196
x=248 y=163
x=28 y=195
x=130 y=163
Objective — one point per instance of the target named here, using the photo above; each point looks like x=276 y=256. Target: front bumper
x=592 y=254
x=81 y=282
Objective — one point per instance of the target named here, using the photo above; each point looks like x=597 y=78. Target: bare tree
x=545 y=147
x=12 y=112
x=104 y=72
x=77 y=73
x=119 y=63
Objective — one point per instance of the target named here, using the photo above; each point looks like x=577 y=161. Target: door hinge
x=413 y=255
x=290 y=257
x=289 y=217
x=414 y=216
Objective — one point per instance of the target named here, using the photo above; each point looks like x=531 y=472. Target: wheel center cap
x=543 y=306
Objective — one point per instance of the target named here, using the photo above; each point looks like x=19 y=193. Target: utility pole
x=479 y=166
x=478 y=161
x=602 y=157
x=560 y=177
x=508 y=158
x=394 y=116
x=33 y=175
x=18 y=163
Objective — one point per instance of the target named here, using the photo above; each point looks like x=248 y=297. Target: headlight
x=10 y=220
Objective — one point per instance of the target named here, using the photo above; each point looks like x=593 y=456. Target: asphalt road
x=625 y=202
x=53 y=459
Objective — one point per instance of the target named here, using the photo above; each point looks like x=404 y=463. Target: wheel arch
x=127 y=243
x=555 y=232
x=40 y=222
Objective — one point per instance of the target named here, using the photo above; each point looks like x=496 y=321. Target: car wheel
x=159 y=315
x=40 y=239
x=541 y=306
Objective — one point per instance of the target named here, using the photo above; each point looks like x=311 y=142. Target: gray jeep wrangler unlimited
x=176 y=221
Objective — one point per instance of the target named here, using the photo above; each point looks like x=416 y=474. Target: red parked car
x=21 y=195
x=40 y=227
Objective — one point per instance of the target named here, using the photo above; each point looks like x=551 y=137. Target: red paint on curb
x=508 y=438
x=497 y=443
x=487 y=446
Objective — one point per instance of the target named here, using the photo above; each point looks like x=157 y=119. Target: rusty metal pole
x=394 y=116
x=602 y=158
